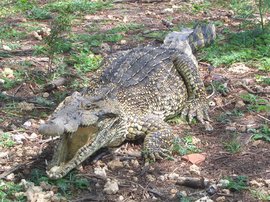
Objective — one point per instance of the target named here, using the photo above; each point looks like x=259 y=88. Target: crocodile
x=138 y=90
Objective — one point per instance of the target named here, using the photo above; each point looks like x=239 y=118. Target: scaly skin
x=137 y=92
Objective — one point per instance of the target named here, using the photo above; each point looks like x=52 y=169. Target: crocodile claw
x=157 y=154
x=197 y=108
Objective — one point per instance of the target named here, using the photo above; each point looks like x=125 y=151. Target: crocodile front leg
x=196 y=105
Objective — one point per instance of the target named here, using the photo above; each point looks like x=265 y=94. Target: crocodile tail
x=202 y=35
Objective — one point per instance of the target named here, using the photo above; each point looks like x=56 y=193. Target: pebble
x=194 y=170
x=111 y=187
x=120 y=198
x=115 y=164
x=45 y=95
x=255 y=183
x=100 y=171
x=135 y=163
x=162 y=178
x=226 y=191
x=239 y=104
x=150 y=178
x=4 y=154
x=223 y=183
x=173 y=191
x=221 y=199
x=230 y=128
x=6 y=48
x=10 y=177
x=204 y=199
x=267 y=182
x=173 y=176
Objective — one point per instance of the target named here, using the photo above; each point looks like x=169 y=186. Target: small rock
x=135 y=179
x=173 y=176
x=27 y=124
x=212 y=189
x=2 y=81
x=10 y=177
x=162 y=178
x=111 y=187
x=267 y=182
x=230 y=128
x=239 y=68
x=4 y=154
x=36 y=35
x=150 y=178
x=167 y=10
x=135 y=163
x=195 y=140
x=194 y=169
x=194 y=158
x=8 y=73
x=115 y=164
x=183 y=193
x=25 y=106
x=226 y=191
x=239 y=104
x=105 y=47
x=6 y=48
x=121 y=198
x=173 y=191
x=45 y=95
x=221 y=199
x=204 y=199
x=255 y=183
x=123 y=41
x=18 y=138
x=33 y=136
x=223 y=183
x=45 y=186
x=100 y=171
x=212 y=104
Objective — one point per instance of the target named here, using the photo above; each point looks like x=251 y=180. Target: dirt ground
x=138 y=182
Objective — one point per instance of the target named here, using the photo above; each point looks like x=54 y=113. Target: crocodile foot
x=157 y=145
x=197 y=108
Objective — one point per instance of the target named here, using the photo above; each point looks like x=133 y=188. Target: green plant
x=78 y=7
x=8 y=190
x=232 y=146
x=261 y=195
x=237 y=183
x=255 y=103
x=86 y=61
x=55 y=42
x=262 y=134
x=6 y=140
x=65 y=184
x=39 y=14
x=9 y=33
x=184 y=146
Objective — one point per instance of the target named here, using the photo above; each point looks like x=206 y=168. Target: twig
x=17 y=90
x=6 y=173
x=266 y=119
x=213 y=92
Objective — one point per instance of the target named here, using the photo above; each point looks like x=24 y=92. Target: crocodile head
x=85 y=124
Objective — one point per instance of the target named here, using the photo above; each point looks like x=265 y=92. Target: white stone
x=100 y=171
x=111 y=187
x=173 y=176
x=204 y=199
x=195 y=169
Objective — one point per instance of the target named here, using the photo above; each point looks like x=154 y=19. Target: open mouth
x=70 y=143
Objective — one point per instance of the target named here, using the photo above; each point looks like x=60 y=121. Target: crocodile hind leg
x=157 y=145
x=196 y=105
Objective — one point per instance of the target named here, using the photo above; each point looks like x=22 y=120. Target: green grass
x=8 y=190
x=10 y=33
x=247 y=46
x=238 y=183
x=37 y=13
x=255 y=103
x=260 y=195
x=113 y=35
x=86 y=61
x=262 y=134
x=6 y=140
x=233 y=146
x=65 y=185
x=77 y=7
x=183 y=146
